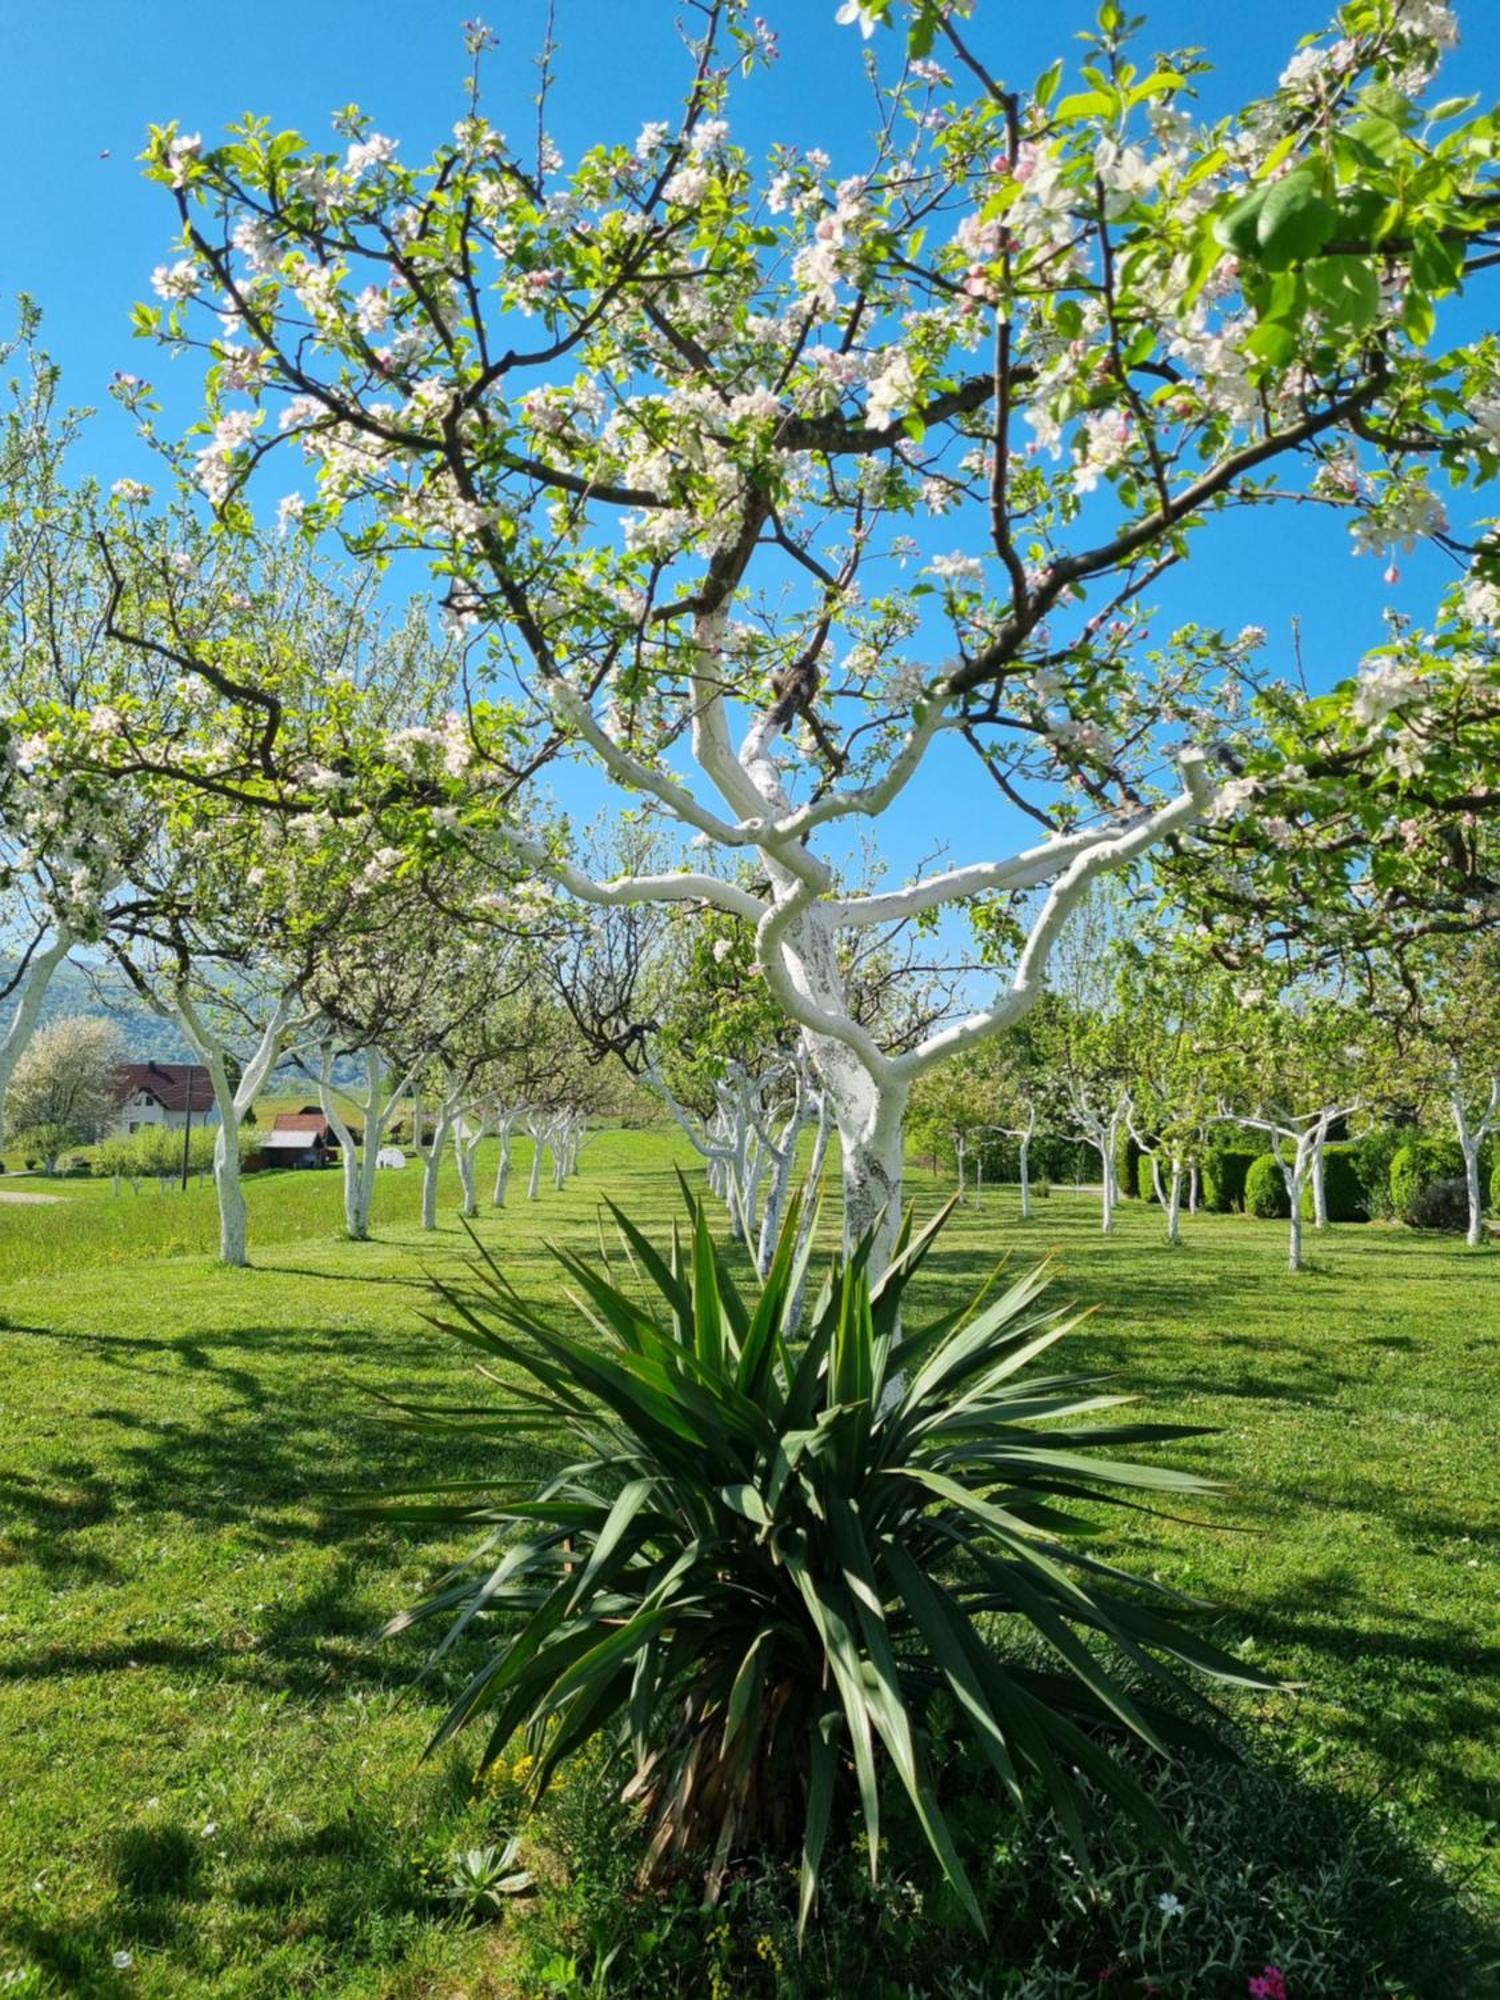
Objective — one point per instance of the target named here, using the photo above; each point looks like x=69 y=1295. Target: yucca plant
x=756 y=1558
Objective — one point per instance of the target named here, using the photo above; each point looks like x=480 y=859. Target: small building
x=164 y=1094
x=297 y=1139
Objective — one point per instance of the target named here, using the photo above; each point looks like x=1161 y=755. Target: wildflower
x=122 y=1961
x=1268 y=1984
x=209 y=1828
x=1169 y=1905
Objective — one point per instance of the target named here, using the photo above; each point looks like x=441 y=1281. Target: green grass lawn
x=205 y=1763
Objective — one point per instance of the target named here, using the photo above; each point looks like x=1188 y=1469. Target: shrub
x=1128 y=1164
x=1415 y=1166
x=1265 y=1189
x=757 y=1574
x=1343 y=1186
x=44 y=1146
x=1284 y=1871
x=154 y=1152
x=1374 y=1152
x=1224 y=1171
x=1441 y=1204
x=1145 y=1187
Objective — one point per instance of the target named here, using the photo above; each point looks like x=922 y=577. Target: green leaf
x=1273 y=341
x=1237 y=229
x=1345 y=290
x=1295 y=221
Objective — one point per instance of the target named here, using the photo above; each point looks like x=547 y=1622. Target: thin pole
x=187 y=1130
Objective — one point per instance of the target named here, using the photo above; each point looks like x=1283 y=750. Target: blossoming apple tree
x=66 y=835
x=769 y=485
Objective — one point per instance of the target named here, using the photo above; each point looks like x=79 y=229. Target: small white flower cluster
x=892 y=391
x=175 y=282
x=1107 y=438
x=215 y=462
x=1384 y=685
x=376 y=151
x=958 y=570
x=1310 y=66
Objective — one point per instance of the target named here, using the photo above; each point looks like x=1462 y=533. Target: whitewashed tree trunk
x=504 y=1123
x=30 y=994
x=1297 y=1144
x=1174 y=1204
x=960 y=1147
x=432 y=1163
x=871 y=1122
x=780 y=1149
x=1025 y=1164
x=1294 y=1240
x=1318 y=1185
x=1473 y=1129
x=1193 y=1188
x=232 y=1101
x=360 y=1161
x=468 y=1132
x=537 y=1127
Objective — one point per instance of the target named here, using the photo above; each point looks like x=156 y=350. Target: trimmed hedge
x=1128 y=1158
x=1265 y=1190
x=1224 y=1172
x=1343 y=1185
x=1143 y=1183
x=1415 y=1166
x=1442 y=1204
x=1376 y=1151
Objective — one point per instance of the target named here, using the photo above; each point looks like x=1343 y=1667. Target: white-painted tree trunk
x=1026 y=1177
x=1174 y=1204
x=1473 y=1129
x=502 y=1166
x=1317 y=1183
x=537 y=1128
x=30 y=994
x=360 y=1162
x=1193 y=1188
x=1297 y=1144
x=432 y=1163
x=232 y=1101
x=871 y=1126
x=467 y=1134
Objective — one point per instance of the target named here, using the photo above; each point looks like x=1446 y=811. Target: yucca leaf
x=822 y=1771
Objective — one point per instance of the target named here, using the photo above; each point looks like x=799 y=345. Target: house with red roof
x=164 y=1094
x=297 y=1139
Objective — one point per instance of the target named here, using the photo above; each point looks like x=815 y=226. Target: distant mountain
x=96 y=991
x=78 y=989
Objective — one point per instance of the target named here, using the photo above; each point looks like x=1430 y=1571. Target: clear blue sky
x=81 y=231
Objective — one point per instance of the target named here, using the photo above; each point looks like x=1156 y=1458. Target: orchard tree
x=1179 y=1022
x=66 y=836
x=64 y=1084
x=1295 y=1071
x=240 y=889
x=1441 y=1004
x=803 y=475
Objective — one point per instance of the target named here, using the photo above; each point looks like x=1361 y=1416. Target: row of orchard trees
x=1151 y=1050
x=763 y=491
